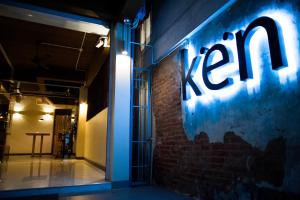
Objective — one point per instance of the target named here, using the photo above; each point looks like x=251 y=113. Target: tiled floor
x=22 y=172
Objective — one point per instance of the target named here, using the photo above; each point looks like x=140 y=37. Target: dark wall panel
x=98 y=92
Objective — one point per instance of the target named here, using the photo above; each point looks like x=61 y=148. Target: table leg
x=31 y=169
x=33 y=145
x=41 y=145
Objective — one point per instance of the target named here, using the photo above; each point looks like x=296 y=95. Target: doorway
x=56 y=165
x=63 y=134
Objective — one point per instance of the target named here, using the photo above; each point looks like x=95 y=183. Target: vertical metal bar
x=150 y=125
x=41 y=145
x=139 y=127
x=132 y=75
x=142 y=125
x=142 y=128
x=33 y=145
x=111 y=96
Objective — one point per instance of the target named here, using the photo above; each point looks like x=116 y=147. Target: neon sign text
x=277 y=56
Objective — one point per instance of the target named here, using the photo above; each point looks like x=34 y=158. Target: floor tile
x=22 y=172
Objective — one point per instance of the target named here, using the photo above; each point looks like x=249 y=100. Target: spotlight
x=126 y=21
x=102 y=41
x=99 y=43
x=124 y=52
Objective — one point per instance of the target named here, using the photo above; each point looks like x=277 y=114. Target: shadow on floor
x=43 y=197
x=134 y=193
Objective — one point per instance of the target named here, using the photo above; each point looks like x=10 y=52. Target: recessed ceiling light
x=30 y=15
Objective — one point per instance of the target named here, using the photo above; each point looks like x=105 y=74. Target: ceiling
x=104 y=9
x=108 y=10
x=48 y=55
x=45 y=54
x=40 y=47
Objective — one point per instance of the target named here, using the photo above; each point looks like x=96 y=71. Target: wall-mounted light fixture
x=48 y=109
x=18 y=107
x=126 y=36
x=17 y=116
x=124 y=52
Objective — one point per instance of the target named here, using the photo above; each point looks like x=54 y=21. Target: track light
x=102 y=41
x=99 y=43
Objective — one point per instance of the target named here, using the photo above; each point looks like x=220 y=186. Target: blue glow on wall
x=259 y=58
x=203 y=112
x=257 y=109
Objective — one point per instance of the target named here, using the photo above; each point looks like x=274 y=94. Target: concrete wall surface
x=172 y=20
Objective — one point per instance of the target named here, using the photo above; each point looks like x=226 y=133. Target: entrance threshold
x=61 y=191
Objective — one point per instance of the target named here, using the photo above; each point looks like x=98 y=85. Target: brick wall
x=232 y=169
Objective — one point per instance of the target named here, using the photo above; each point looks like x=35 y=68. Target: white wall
x=119 y=109
x=81 y=127
x=121 y=121
x=27 y=121
x=95 y=138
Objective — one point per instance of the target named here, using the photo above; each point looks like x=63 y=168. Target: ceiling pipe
x=71 y=48
x=48 y=84
x=43 y=95
x=8 y=61
x=79 y=54
x=60 y=46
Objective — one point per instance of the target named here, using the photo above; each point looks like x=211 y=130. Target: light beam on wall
x=288 y=25
x=259 y=59
x=48 y=109
x=122 y=62
x=17 y=116
x=82 y=108
x=47 y=117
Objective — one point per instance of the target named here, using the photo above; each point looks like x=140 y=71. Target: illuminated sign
x=242 y=37
x=241 y=72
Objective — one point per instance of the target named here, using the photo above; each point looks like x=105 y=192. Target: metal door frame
x=144 y=126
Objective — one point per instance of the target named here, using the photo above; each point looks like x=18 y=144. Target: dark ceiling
x=47 y=59
x=43 y=54
x=104 y=9
x=35 y=48
x=109 y=10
